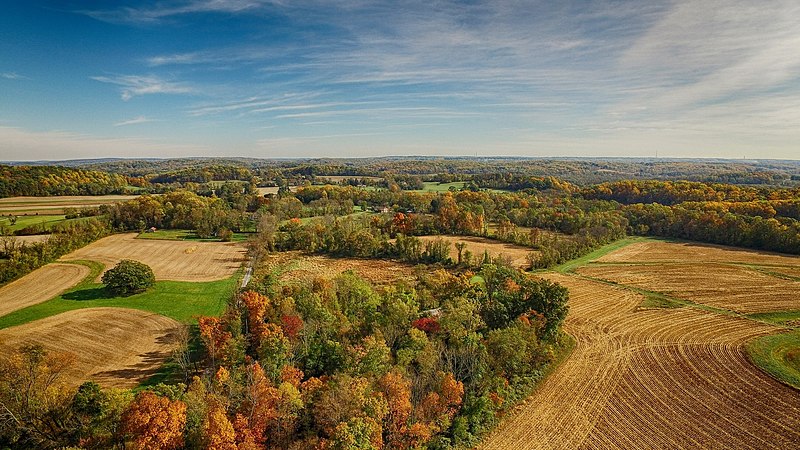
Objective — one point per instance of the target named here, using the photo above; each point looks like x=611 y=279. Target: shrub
x=129 y=277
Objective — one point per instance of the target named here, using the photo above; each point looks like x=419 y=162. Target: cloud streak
x=136 y=85
x=134 y=121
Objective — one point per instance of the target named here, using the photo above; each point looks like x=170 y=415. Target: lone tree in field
x=129 y=277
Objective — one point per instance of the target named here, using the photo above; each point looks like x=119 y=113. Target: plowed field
x=56 y=204
x=732 y=287
x=170 y=260
x=660 y=251
x=652 y=379
x=115 y=347
x=40 y=285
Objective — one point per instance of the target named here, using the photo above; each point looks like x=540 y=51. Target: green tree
x=129 y=277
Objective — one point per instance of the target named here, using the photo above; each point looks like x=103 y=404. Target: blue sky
x=306 y=78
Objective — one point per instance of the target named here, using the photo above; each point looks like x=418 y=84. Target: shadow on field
x=97 y=293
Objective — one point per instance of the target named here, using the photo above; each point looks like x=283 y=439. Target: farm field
x=116 y=347
x=32 y=239
x=55 y=205
x=297 y=266
x=663 y=251
x=187 y=235
x=477 y=246
x=40 y=285
x=732 y=287
x=654 y=378
x=170 y=260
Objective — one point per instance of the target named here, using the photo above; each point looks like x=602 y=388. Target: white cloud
x=136 y=85
x=134 y=121
x=13 y=76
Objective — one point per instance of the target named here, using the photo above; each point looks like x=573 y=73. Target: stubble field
x=170 y=260
x=116 y=347
x=517 y=255
x=655 y=378
x=40 y=285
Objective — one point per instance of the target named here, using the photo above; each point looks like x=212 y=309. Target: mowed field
x=116 y=347
x=518 y=255
x=56 y=204
x=297 y=266
x=734 y=279
x=40 y=285
x=654 y=379
x=170 y=260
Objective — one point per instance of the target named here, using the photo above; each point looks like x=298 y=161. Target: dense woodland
x=339 y=363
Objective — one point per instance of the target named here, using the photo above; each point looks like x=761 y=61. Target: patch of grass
x=656 y=300
x=179 y=300
x=46 y=221
x=570 y=266
x=434 y=186
x=790 y=318
x=188 y=235
x=778 y=355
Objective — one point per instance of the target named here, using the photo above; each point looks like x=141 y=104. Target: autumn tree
x=155 y=422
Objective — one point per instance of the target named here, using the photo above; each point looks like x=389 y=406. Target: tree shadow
x=97 y=293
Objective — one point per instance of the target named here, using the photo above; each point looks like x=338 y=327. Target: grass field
x=46 y=221
x=779 y=355
x=434 y=186
x=188 y=235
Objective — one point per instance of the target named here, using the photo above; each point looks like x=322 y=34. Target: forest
x=342 y=363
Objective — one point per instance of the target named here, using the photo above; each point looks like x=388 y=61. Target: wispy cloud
x=164 y=10
x=134 y=121
x=12 y=76
x=136 y=85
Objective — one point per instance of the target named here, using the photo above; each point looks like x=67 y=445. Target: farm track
x=40 y=285
x=170 y=260
x=655 y=378
x=116 y=347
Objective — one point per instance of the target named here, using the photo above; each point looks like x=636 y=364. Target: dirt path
x=116 y=347
x=40 y=285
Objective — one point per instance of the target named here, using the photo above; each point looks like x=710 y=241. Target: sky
x=359 y=78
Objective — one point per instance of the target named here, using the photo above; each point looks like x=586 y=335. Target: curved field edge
x=778 y=355
x=122 y=355
x=179 y=300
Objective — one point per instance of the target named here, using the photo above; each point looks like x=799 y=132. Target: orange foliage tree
x=155 y=422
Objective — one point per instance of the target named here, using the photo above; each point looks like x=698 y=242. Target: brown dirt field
x=731 y=287
x=267 y=190
x=660 y=251
x=56 y=204
x=116 y=347
x=654 y=379
x=302 y=267
x=40 y=285
x=477 y=245
x=170 y=260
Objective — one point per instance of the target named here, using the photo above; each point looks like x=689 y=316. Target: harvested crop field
x=170 y=260
x=661 y=251
x=655 y=378
x=732 y=287
x=40 y=285
x=116 y=347
x=518 y=255
x=56 y=204
x=297 y=266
